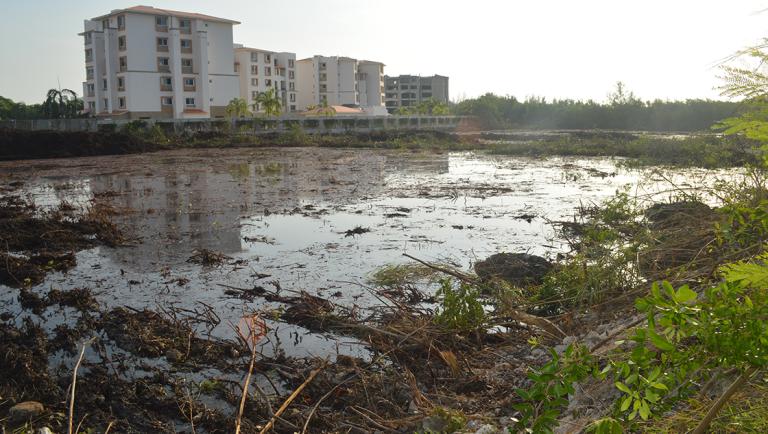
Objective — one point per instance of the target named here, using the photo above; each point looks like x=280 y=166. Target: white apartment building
x=260 y=70
x=340 y=81
x=145 y=62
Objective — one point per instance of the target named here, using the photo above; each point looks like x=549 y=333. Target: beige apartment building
x=340 y=80
x=410 y=90
x=260 y=70
x=144 y=62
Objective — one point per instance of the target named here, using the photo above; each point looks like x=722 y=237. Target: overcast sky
x=553 y=48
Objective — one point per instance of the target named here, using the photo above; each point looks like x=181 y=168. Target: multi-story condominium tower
x=370 y=78
x=340 y=81
x=410 y=90
x=144 y=62
x=260 y=70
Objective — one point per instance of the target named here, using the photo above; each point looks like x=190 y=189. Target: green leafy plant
x=460 y=308
x=552 y=383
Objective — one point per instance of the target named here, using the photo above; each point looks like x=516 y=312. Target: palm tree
x=269 y=102
x=237 y=108
x=61 y=103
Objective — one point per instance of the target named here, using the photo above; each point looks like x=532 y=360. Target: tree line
x=622 y=111
x=58 y=104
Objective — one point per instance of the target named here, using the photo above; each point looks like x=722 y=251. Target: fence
x=315 y=124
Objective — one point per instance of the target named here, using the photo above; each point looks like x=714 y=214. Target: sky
x=666 y=49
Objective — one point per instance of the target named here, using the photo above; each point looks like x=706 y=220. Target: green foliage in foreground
x=460 y=308
x=687 y=338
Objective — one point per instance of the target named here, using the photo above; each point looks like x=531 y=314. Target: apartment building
x=144 y=62
x=339 y=80
x=410 y=90
x=259 y=70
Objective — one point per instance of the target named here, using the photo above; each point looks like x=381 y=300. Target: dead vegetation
x=37 y=242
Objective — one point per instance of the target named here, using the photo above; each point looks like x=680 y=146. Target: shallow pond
x=282 y=216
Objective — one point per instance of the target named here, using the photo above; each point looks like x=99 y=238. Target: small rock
x=25 y=411
x=173 y=355
x=44 y=430
x=488 y=429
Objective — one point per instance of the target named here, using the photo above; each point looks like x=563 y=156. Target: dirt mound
x=516 y=268
x=20 y=144
x=684 y=233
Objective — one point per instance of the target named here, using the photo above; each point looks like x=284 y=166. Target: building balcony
x=186 y=50
x=161 y=29
x=185 y=30
x=163 y=68
x=166 y=88
x=162 y=48
x=187 y=70
x=91 y=94
x=192 y=88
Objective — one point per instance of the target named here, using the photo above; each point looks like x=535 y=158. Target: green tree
x=62 y=103
x=269 y=102
x=237 y=108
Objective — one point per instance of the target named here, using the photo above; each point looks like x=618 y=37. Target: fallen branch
x=290 y=399
x=461 y=276
x=74 y=382
x=723 y=399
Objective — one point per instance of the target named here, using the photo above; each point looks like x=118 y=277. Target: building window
x=291 y=75
x=121 y=43
x=163 y=64
x=290 y=63
x=189 y=82
x=120 y=83
x=166 y=84
x=323 y=65
x=292 y=97
x=267 y=70
x=161 y=24
x=162 y=44
x=254 y=69
x=254 y=94
x=104 y=84
x=106 y=103
x=254 y=57
x=105 y=24
x=189 y=102
x=89 y=73
x=293 y=108
x=88 y=37
x=186 y=45
x=91 y=105
x=268 y=83
x=267 y=58
x=166 y=100
x=123 y=64
x=323 y=76
x=186 y=66
x=254 y=82
x=88 y=55
x=121 y=102
x=121 y=22
x=291 y=86
x=185 y=26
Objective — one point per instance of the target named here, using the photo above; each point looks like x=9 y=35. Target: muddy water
x=281 y=216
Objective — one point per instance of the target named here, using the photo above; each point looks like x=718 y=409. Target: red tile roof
x=157 y=11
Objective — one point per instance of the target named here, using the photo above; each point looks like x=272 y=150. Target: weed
x=460 y=308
